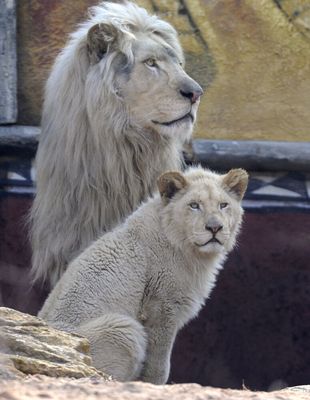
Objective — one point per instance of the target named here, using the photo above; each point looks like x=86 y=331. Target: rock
x=40 y=387
x=301 y=388
x=29 y=346
x=7 y=368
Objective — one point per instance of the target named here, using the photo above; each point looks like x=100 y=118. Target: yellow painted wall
x=251 y=56
x=42 y=30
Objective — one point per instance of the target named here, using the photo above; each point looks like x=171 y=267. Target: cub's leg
x=160 y=338
x=117 y=345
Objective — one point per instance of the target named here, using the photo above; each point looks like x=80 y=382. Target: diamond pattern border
x=265 y=189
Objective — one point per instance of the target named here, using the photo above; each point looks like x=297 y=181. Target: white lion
x=118 y=108
x=132 y=290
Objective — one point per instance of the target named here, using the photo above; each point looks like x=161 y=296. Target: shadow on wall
x=16 y=290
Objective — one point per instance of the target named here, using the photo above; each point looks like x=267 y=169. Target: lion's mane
x=93 y=167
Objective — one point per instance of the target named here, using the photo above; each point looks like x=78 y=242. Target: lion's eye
x=150 y=62
x=194 y=205
x=223 y=205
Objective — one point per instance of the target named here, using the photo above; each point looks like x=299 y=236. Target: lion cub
x=132 y=290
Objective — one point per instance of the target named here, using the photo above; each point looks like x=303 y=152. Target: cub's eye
x=194 y=205
x=150 y=62
x=223 y=205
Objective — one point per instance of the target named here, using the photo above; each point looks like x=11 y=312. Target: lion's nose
x=213 y=227
x=192 y=92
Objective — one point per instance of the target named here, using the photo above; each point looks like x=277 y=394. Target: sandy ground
x=42 y=387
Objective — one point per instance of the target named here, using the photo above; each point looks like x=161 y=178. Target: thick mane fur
x=94 y=166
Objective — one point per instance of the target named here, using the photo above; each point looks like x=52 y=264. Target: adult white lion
x=118 y=108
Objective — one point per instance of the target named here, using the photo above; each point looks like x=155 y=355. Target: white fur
x=132 y=290
x=99 y=152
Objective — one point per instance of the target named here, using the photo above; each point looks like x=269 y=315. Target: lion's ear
x=236 y=182
x=169 y=184
x=100 y=38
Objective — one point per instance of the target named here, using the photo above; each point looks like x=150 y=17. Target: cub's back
x=107 y=277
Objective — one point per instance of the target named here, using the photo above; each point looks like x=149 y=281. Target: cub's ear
x=169 y=183
x=236 y=182
x=100 y=38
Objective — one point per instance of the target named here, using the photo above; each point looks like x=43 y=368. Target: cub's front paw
x=158 y=377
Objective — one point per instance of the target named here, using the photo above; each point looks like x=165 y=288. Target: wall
x=252 y=57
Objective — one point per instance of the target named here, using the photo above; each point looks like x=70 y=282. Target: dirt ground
x=42 y=387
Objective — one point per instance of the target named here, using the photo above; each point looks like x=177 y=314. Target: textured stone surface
x=20 y=137
x=43 y=28
x=262 y=85
x=298 y=12
x=302 y=388
x=8 y=75
x=58 y=389
x=253 y=56
x=29 y=346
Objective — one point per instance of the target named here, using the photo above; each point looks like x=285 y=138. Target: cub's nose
x=213 y=227
x=191 y=91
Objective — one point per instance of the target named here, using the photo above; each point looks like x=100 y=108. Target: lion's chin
x=182 y=129
x=212 y=246
x=187 y=118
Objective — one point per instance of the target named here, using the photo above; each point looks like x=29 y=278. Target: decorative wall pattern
x=16 y=176
x=280 y=190
x=276 y=190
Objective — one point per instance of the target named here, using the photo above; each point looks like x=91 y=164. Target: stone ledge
x=19 y=140
x=29 y=346
x=8 y=62
x=253 y=155
x=216 y=154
